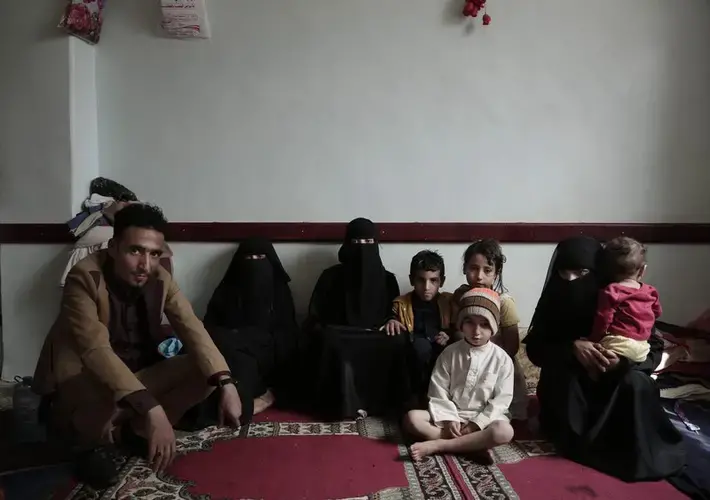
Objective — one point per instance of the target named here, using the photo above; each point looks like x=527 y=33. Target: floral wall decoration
x=83 y=19
x=474 y=7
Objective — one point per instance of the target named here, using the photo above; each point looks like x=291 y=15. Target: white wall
x=324 y=110
x=83 y=119
x=329 y=109
x=48 y=153
x=35 y=169
x=35 y=154
x=30 y=301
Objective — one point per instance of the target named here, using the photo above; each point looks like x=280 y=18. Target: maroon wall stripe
x=402 y=232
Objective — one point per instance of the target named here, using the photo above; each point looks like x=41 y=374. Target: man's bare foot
x=264 y=401
x=423 y=449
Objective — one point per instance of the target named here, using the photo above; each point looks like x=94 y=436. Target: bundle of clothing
x=684 y=372
x=683 y=378
x=92 y=227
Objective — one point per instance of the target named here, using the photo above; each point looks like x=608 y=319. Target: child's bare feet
x=422 y=450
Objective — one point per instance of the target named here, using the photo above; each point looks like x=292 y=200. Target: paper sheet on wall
x=185 y=19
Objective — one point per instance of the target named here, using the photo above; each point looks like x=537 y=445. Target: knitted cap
x=480 y=302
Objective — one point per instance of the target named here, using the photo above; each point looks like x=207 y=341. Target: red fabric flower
x=470 y=9
x=83 y=19
x=79 y=17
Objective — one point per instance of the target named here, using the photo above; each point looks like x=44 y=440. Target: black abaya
x=328 y=301
x=251 y=319
x=617 y=424
x=353 y=365
x=362 y=370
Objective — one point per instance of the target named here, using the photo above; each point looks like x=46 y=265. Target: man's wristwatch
x=226 y=381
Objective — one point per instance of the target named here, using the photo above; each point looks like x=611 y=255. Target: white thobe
x=471 y=384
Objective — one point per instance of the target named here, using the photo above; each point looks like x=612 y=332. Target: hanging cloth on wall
x=83 y=19
x=185 y=19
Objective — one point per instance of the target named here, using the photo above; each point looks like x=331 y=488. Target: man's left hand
x=230 y=406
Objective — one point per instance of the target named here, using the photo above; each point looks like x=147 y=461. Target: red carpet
x=283 y=456
x=554 y=478
x=293 y=467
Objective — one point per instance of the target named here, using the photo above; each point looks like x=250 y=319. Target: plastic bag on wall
x=185 y=19
x=83 y=19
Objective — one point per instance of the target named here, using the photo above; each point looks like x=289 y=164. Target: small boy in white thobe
x=471 y=387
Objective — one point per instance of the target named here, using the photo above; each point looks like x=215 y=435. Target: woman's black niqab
x=245 y=296
x=256 y=246
x=566 y=307
x=365 y=276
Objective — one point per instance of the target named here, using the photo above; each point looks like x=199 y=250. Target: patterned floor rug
x=290 y=458
x=286 y=457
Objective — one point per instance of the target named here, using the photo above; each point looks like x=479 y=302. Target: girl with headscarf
x=617 y=426
x=353 y=366
x=252 y=321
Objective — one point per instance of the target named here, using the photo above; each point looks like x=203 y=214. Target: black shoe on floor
x=97 y=468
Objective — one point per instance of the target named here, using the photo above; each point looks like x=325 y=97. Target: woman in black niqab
x=566 y=307
x=366 y=301
x=616 y=425
x=253 y=289
x=354 y=367
x=359 y=291
x=251 y=319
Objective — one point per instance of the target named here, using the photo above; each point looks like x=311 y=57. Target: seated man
x=424 y=313
x=101 y=364
x=356 y=367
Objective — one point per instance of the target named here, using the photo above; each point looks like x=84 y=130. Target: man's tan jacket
x=79 y=338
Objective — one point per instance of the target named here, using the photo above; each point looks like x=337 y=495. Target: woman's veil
x=550 y=270
x=578 y=252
